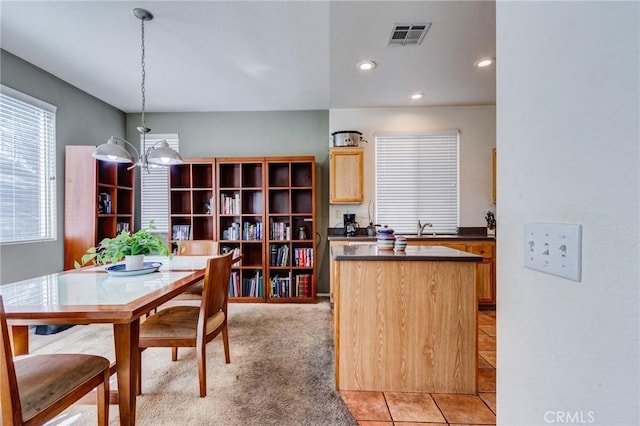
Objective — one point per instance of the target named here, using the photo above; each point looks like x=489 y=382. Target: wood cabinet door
x=461 y=247
x=484 y=250
x=484 y=282
x=345 y=175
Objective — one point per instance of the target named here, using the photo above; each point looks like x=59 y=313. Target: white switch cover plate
x=554 y=248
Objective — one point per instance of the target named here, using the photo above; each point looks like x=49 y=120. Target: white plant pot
x=134 y=262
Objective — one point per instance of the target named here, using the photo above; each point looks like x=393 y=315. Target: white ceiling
x=254 y=56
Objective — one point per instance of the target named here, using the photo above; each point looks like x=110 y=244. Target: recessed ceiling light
x=417 y=96
x=485 y=62
x=366 y=65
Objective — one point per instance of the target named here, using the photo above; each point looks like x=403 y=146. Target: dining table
x=102 y=294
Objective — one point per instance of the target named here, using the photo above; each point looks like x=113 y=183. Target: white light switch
x=554 y=248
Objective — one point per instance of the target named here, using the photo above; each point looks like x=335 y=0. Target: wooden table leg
x=19 y=339
x=127 y=364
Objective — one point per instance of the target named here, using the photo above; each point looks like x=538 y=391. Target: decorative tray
x=119 y=270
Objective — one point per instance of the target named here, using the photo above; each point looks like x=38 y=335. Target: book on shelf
x=281 y=286
x=208 y=207
x=282 y=255
x=251 y=286
x=230 y=204
x=235 y=250
x=104 y=203
x=252 y=231
x=181 y=232
x=303 y=285
x=280 y=231
x=122 y=226
x=232 y=232
x=303 y=257
x=234 y=284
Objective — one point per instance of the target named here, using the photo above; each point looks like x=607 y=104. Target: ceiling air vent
x=408 y=33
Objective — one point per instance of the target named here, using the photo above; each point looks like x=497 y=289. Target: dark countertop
x=420 y=253
x=364 y=238
x=480 y=234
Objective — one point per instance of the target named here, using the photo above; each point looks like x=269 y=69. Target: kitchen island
x=405 y=321
x=469 y=239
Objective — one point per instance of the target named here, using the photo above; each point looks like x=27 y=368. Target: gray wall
x=250 y=134
x=81 y=120
x=568 y=108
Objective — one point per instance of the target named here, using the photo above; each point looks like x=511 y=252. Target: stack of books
x=279 y=255
x=303 y=257
x=230 y=204
x=280 y=231
x=303 y=283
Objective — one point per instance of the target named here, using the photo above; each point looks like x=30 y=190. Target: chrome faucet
x=421 y=227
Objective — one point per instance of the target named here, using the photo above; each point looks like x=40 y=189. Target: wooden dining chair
x=36 y=388
x=195 y=248
x=192 y=326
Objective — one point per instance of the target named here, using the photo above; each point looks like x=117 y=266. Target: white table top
x=93 y=286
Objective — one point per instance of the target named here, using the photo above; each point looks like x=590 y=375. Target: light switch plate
x=554 y=248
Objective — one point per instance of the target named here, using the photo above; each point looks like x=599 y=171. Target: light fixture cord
x=142 y=89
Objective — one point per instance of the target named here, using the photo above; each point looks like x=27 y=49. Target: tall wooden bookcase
x=98 y=203
x=290 y=247
x=240 y=220
x=192 y=200
x=262 y=207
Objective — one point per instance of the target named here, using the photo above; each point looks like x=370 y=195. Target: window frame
x=406 y=170
x=43 y=144
x=155 y=177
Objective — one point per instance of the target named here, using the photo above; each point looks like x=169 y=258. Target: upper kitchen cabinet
x=346 y=175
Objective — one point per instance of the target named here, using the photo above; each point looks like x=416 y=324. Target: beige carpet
x=281 y=372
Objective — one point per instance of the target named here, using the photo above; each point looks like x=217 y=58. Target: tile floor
x=412 y=409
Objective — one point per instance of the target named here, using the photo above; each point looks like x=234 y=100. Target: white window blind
x=27 y=168
x=417 y=179
x=155 y=187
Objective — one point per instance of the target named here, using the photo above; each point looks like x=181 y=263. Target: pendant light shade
x=112 y=152
x=160 y=153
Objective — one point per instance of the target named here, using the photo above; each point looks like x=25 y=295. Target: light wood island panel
x=405 y=326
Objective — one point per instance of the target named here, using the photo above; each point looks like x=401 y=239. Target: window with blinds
x=155 y=187
x=417 y=180
x=27 y=168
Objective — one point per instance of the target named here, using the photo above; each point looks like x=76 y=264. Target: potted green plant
x=131 y=247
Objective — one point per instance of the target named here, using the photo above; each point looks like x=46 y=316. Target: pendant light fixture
x=158 y=154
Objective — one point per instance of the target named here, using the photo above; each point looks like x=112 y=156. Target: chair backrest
x=215 y=290
x=197 y=247
x=10 y=399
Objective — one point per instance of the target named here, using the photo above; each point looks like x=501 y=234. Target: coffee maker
x=350 y=224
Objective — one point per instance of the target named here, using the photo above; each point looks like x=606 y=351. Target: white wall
x=477 y=127
x=568 y=146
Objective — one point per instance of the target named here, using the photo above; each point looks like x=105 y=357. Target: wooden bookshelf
x=290 y=248
x=192 y=200
x=99 y=201
x=240 y=223
x=251 y=195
